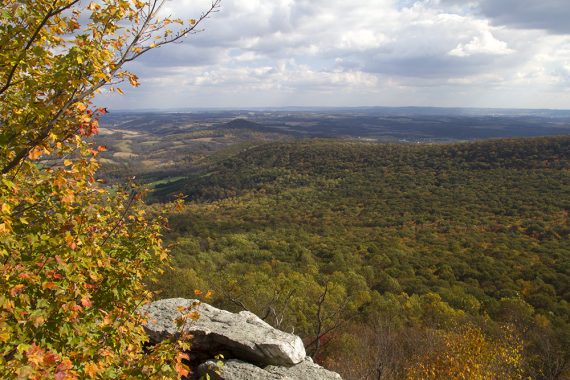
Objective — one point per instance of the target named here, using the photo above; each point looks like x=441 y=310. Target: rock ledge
x=253 y=349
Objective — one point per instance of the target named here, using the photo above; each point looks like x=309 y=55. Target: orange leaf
x=70 y=242
x=51 y=358
x=35 y=355
x=134 y=80
x=68 y=197
x=35 y=153
x=91 y=370
x=182 y=369
x=86 y=302
x=183 y=355
x=48 y=285
x=94 y=127
x=17 y=289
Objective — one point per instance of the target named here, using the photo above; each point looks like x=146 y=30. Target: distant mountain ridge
x=390 y=124
x=403 y=110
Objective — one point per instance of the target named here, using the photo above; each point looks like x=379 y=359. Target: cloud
x=550 y=15
x=335 y=52
x=485 y=43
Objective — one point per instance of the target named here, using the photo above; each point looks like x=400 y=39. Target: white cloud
x=430 y=52
x=362 y=40
x=485 y=43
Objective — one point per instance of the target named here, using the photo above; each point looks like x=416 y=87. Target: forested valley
x=390 y=260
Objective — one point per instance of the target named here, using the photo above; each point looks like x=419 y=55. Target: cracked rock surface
x=238 y=370
x=242 y=336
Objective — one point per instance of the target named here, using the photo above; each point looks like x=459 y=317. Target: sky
x=335 y=53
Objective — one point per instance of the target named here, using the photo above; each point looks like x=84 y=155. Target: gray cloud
x=550 y=15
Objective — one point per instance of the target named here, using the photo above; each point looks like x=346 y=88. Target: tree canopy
x=376 y=253
x=73 y=253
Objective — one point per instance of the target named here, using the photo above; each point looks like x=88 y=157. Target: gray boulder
x=235 y=370
x=238 y=370
x=304 y=370
x=243 y=335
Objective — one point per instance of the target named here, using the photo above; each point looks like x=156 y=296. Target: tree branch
x=35 y=34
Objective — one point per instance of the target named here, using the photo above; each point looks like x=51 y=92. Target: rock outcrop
x=237 y=370
x=252 y=348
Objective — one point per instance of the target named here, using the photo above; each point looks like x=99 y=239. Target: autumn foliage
x=468 y=354
x=73 y=253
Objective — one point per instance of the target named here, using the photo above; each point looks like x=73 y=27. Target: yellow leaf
x=6 y=209
x=80 y=106
x=120 y=91
x=67 y=162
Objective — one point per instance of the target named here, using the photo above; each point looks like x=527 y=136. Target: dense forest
x=388 y=259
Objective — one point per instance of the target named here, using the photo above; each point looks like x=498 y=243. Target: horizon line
x=308 y=108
